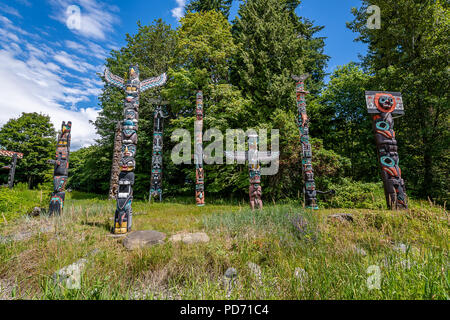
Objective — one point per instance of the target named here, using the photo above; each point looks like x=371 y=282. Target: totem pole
x=114 y=181
x=61 y=170
x=12 y=167
x=254 y=157
x=303 y=126
x=157 y=157
x=198 y=154
x=382 y=105
x=133 y=87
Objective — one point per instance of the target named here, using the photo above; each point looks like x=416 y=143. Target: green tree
x=33 y=135
x=152 y=48
x=204 y=49
x=222 y=6
x=89 y=171
x=410 y=54
x=342 y=121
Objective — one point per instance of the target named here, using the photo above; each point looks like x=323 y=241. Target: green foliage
x=222 y=6
x=355 y=194
x=90 y=170
x=410 y=54
x=19 y=201
x=33 y=135
x=340 y=117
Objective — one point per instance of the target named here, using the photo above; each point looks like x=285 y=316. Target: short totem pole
x=12 y=167
x=254 y=158
x=303 y=126
x=157 y=156
x=382 y=105
x=198 y=154
x=133 y=87
x=61 y=170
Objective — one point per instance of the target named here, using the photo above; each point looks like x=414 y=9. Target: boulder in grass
x=143 y=239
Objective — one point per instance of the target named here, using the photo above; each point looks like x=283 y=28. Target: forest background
x=244 y=68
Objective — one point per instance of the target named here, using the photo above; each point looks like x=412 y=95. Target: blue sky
x=49 y=60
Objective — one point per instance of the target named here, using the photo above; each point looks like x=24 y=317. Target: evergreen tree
x=410 y=54
x=222 y=6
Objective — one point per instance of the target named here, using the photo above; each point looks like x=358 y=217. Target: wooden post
x=114 y=181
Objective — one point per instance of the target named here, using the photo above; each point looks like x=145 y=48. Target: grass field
x=406 y=250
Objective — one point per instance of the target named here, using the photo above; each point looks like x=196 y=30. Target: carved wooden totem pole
x=61 y=170
x=254 y=158
x=133 y=87
x=157 y=156
x=114 y=181
x=12 y=167
x=382 y=105
x=198 y=151
x=303 y=125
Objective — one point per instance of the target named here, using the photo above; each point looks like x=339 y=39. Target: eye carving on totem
x=129 y=150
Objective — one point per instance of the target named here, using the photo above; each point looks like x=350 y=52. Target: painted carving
x=303 y=126
x=254 y=158
x=61 y=169
x=157 y=160
x=132 y=87
x=382 y=106
x=198 y=155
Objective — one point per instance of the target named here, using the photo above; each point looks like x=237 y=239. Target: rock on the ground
x=142 y=239
x=189 y=238
x=35 y=212
x=342 y=217
x=70 y=277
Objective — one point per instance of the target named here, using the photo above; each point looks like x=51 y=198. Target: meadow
x=298 y=253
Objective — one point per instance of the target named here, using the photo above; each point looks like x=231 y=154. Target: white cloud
x=34 y=86
x=97 y=18
x=9 y=10
x=36 y=78
x=178 y=12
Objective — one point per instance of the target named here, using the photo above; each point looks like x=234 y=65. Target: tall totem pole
x=198 y=151
x=303 y=126
x=254 y=158
x=157 y=156
x=133 y=87
x=12 y=167
x=382 y=105
x=61 y=170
